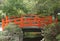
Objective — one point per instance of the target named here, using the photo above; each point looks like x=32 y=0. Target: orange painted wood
x=22 y=22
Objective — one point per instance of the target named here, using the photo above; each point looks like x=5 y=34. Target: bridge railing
x=22 y=22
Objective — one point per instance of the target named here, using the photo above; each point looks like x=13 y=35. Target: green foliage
x=3 y=37
x=0 y=17
x=13 y=32
x=47 y=33
x=46 y=7
x=14 y=7
x=52 y=32
x=17 y=7
x=58 y=37
x=40 y=7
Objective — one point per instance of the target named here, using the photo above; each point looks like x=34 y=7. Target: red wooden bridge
x=22 y=21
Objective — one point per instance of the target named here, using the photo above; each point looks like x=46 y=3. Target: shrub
x=52 y=32
x=13 y=32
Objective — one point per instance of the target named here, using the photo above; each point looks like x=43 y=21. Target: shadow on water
x=33 y=39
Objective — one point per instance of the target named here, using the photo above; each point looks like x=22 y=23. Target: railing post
x=7 y=20
x=21 y=22
x=50 y=21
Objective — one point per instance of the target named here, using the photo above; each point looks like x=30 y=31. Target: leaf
x=58 y=37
